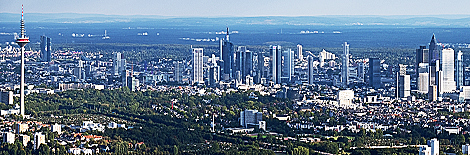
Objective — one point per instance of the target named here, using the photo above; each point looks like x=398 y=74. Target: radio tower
x=22 y=41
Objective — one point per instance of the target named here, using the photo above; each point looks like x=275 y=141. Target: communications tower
x=22 y=41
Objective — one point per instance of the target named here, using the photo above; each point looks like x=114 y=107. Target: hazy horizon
x=243 y=8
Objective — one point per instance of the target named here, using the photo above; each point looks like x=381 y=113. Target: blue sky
x=217 y=8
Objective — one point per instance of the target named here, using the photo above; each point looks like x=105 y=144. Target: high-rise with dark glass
x=227 y=57
x=45 y=48
x=310 y=70
x=244 y=62
x=434 y=58
x=434 y=51
x=422 y=56
x=374 y=73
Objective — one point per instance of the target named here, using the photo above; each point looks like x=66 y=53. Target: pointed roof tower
x=226 y=37
x=433 y=39
x=22 y=40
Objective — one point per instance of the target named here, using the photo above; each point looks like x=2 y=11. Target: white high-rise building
x=403 y=83
x=56 y=128
x=276 y=64
x=9 y=137
x=345 y=98
x=345 y=65
x=432 y=148
x=39 y=139
x=466 y=149
x=423 y=82
x=116 y=63
x=299 y=52
x=24 y=139
x=465 y=93
x=434 y=144
x=447 y=61
x=324 y=55
x=198 y=64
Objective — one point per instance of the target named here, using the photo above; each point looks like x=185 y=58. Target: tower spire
x=23 y=32
x=433 y=39
x=226 y=37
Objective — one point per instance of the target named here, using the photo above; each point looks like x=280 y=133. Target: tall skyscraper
x=434 y=51
x=374 y=73
x=244 y=62
x=260 y=67
x=403 y=83
x=239 y=59
x=422 y=56
x=276 y=63
x=345 y=65
x=45 y=49
x=448 y=82
x=228 y=57
x=423 y=82
x=423 y=77
x=198 y=64
x=360 y=71
x=310 y=69
x=299 y=52
x=288 y=65
x=22 y=41
x=117 y=63
x=214 y=76
x=178 y=70
x=248 y=69
x=459 y=70
x=79 y=71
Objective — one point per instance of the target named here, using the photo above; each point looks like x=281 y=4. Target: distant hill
x=419 y=21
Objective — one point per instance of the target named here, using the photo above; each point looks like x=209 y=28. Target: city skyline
x=212 y=8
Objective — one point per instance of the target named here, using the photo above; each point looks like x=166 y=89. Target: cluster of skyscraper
x=120 y=70
x=238 y=65
x=437 y=70
x=359 y=71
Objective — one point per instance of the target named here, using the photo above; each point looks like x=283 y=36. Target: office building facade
x=276 y=64
x=459 y=70
x=198 y=64
x=447 y=62
x=345 y=65
x=250 y=117
x=374 y=73
x=228 y=57
x=45 y=49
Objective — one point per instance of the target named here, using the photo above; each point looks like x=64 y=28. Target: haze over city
x=242 y=8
